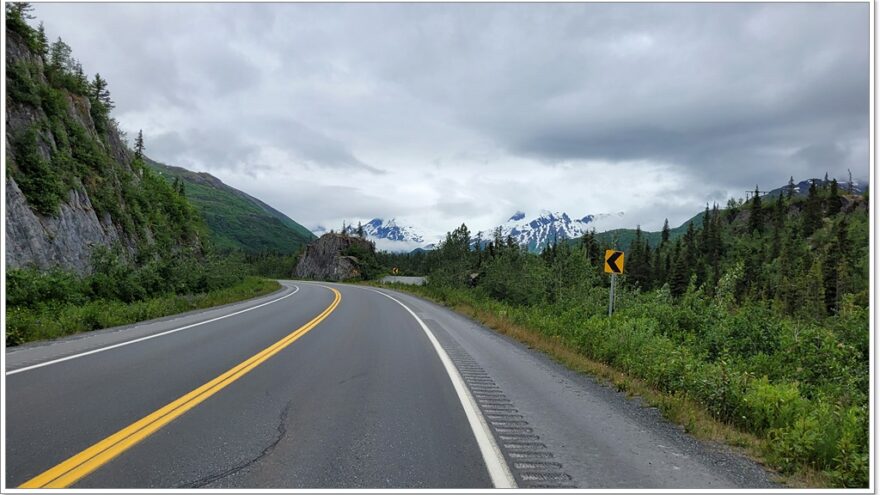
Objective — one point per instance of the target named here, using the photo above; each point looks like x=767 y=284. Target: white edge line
x=148 y=337
x=492 y=456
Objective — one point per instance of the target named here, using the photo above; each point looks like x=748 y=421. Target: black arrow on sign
x=612 y=262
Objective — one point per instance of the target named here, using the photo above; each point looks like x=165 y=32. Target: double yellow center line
x=90 y=459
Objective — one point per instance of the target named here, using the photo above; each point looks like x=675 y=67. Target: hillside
x=236 y=220
x=71 y=182
x=622 y=238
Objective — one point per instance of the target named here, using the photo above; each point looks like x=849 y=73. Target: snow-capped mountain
x=388 y=235
x=551 y=227
x=803 y=187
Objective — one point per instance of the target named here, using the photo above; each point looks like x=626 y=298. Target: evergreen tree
x=756 y=220
x=680 y=276
x=100 y=93
x=59 y=57
x=360 y=230
x=637 y=262
x=664 y=234
x=812 y=213
x=139 y=146
x=42 y=43
x=834 y=202
x=789 y=190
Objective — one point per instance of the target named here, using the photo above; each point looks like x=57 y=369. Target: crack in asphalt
x=282 y=432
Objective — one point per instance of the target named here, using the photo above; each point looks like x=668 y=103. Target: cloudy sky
x=438 y=114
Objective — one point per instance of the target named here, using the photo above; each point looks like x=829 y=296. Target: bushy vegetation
x=164 y=264
x=58 y=153
x=760 y=315
x=57 y=319
x=43 y=305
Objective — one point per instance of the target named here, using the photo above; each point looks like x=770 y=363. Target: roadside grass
x=677 y=407
x=58 y=319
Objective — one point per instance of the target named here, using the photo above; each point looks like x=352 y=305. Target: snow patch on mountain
x=388 y=235
x=549 y=227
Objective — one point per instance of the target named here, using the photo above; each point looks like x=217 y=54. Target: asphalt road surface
x=332 y=386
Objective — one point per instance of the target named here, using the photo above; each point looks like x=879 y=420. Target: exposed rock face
x=67 y=238
x=324 y=259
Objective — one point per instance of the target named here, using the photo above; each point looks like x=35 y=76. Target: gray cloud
x=443 y=113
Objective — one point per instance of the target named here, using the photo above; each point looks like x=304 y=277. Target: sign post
x=613 y=265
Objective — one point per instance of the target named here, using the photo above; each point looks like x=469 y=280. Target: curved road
x=328 y=385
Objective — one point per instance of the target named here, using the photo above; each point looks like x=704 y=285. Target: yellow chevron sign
x=613 y=261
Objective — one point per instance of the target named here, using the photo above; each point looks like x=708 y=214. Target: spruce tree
x=664 y=234
x=789 y=189
x=834 y=201
x=756 y=220
x=42 y=42
x=812 y=213
x=59 y=56
x=100 y=92
x=139 y=146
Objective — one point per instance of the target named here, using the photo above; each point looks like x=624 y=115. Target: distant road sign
x=395 y=271
x=613 y=261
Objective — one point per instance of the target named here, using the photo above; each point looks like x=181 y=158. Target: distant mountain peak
x=388 y=234
x=550 y=226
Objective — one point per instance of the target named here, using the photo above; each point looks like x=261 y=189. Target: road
x=327 y=385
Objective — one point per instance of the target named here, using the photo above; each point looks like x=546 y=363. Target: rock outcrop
x=331 y=258
x=93 y=167
x=64 y=240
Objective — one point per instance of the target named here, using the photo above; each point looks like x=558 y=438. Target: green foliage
x=774 y=340
x=235 y=222
x=55 y=318
x=368 y=265
x=37 y=180
x=515 y=277
x=20 y=86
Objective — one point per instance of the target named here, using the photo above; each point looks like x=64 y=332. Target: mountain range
x=548 y=227
x=534 y=233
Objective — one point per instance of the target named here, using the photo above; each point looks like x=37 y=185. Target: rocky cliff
x=71 y=182
x=334 y=257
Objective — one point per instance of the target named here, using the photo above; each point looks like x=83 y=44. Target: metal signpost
x=613 y=265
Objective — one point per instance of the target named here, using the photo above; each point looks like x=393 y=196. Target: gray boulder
x=326 y=258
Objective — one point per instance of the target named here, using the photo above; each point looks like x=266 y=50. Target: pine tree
x=42 y=42
x=100 y=93
x=360 y=230
x=22 y=10
x=80 y=80
x=664 y=234
x=812 y=214
x=789 y=190
x=680 y=276
x=60 y=56
x=139 y=146
x=756 y=215
x=834 y=202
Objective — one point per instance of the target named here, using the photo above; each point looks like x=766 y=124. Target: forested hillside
x=236 y=220
x=759 y=314
x=72 y=184
x=94 y=237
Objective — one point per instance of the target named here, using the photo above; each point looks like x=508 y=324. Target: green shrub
x=40 y=184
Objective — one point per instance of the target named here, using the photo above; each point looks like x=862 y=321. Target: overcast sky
x=441 y=114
